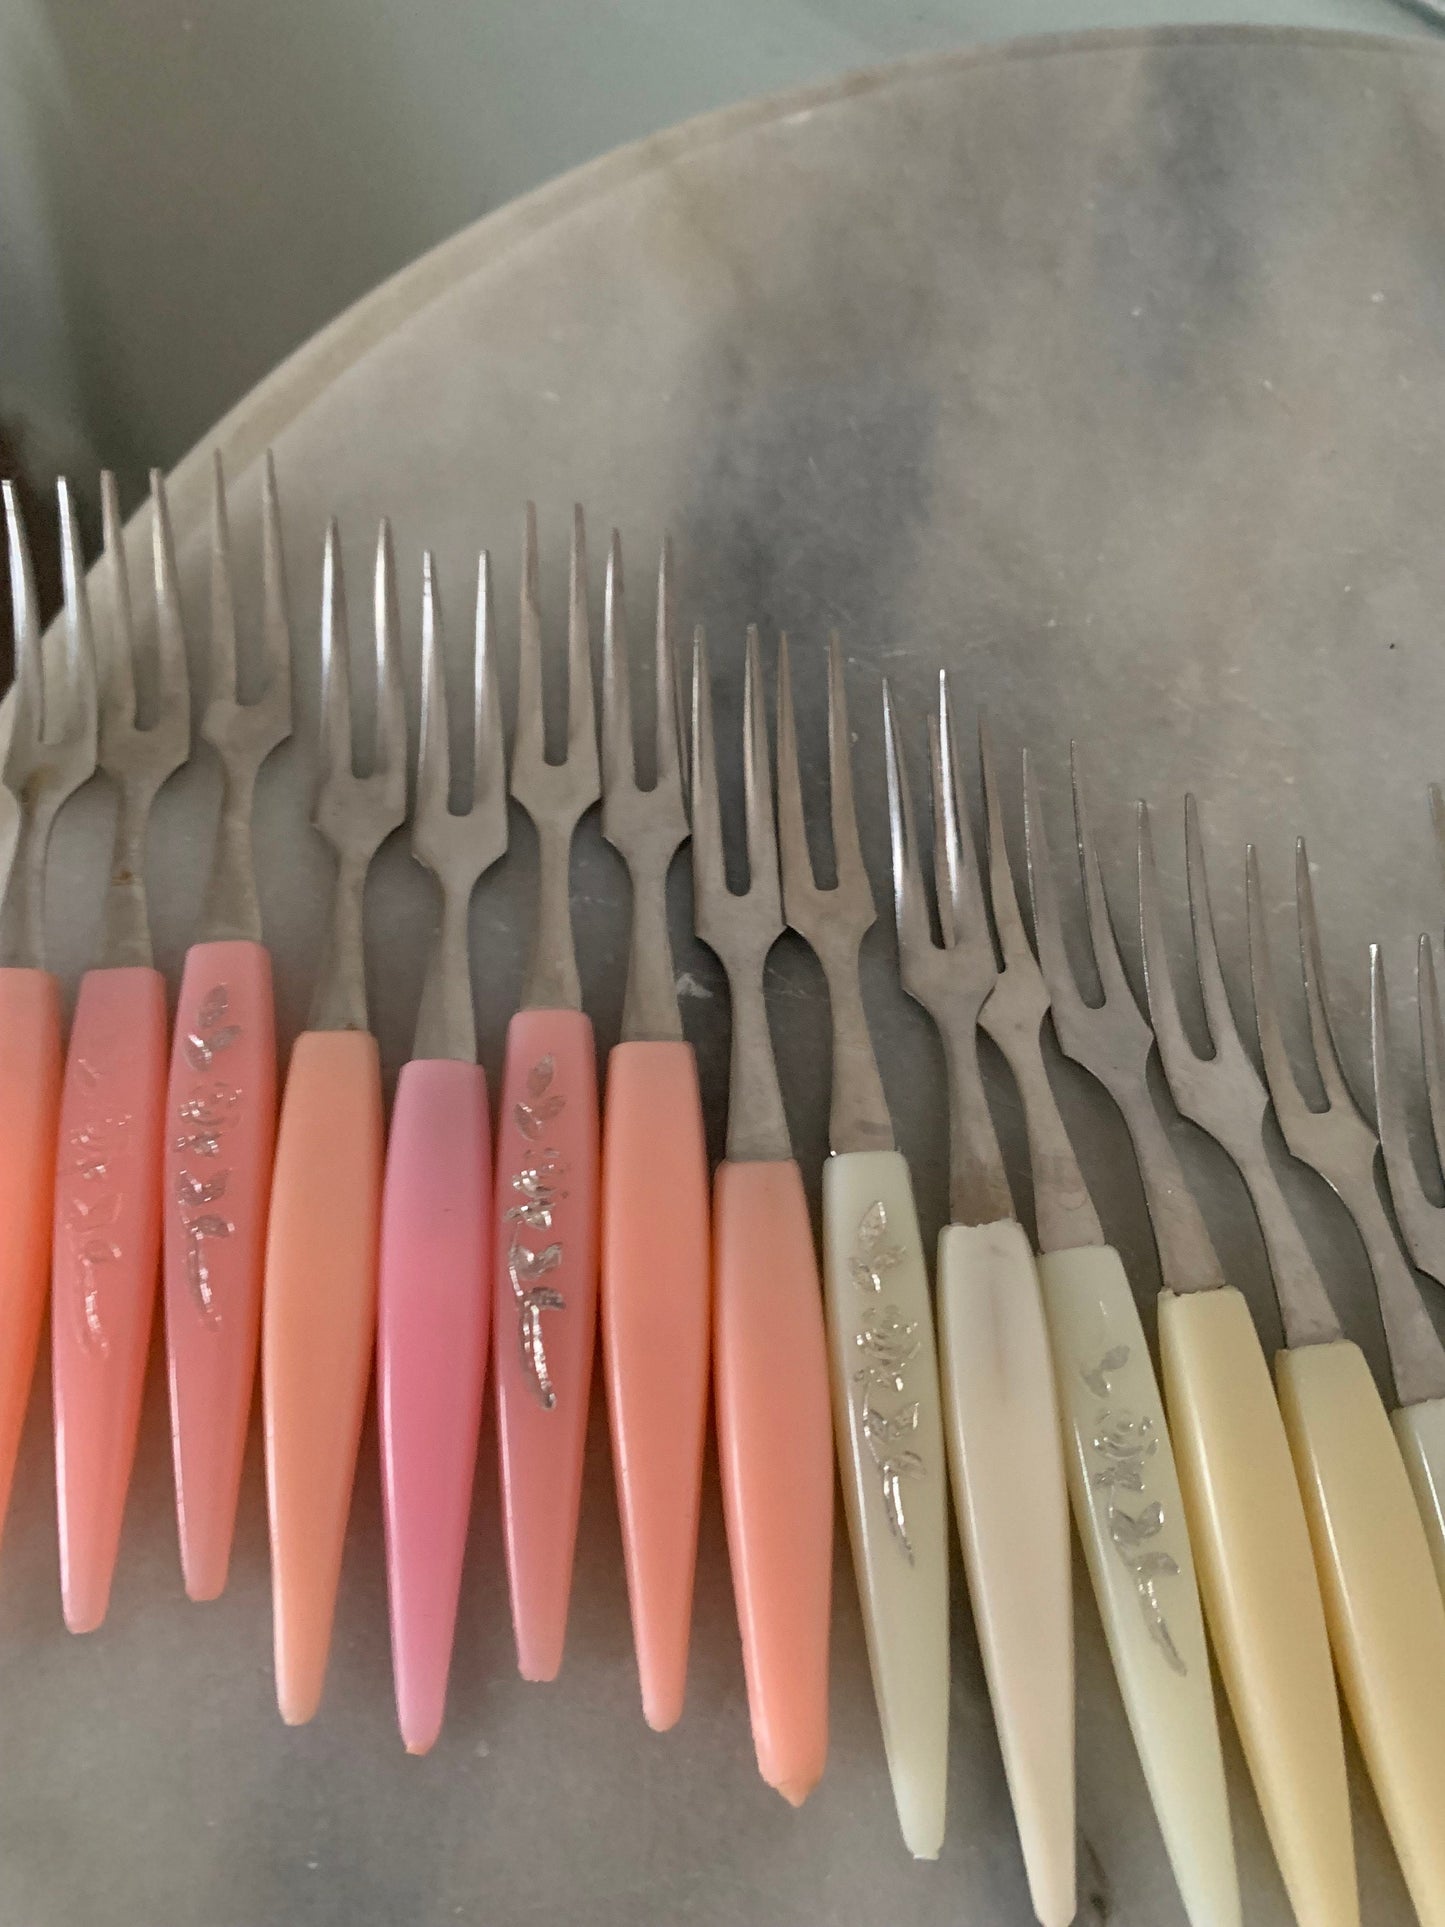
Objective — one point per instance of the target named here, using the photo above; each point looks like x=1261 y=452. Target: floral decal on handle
x=539 y=1187
x=888 y=1344
x=1123 y=1444
x=94 y=1201
x=205 y=1114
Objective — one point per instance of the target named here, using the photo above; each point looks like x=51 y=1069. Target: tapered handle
x=656 y=1319
x=433 y=1324
x=888 y=1420
x=219 y=1140
x=1130 y=1515
x=30 y=1071
x=1261 y=1595
x=1013 y=1519
x=318 y=1323
x=106 y=1263
x=775 y=1454
x=1382 y=1602
x=545 y=1296
x=1420 y=1432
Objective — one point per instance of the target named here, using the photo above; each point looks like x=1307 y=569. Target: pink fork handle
x=546 y=1314
x=220 y=1135
x=655 y=1293
x=433 y=1324
x=775 y=1451
x=106 y=1260
x=29 y=1108
x=318 y=1326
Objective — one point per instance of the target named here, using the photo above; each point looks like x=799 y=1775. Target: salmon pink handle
x=318 y=1323
x=546 y=1314
x=105 y=1265
x=433 y=1324
x=775 y=1451
x=220 y=1135
x=29 y=1108
x=656 y=1313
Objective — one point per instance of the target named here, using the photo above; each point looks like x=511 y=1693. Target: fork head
x=357 y=813
x=246 y=733
x=1421 y=1219
x=135 y=755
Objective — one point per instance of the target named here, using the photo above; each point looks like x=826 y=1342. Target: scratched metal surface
x=1106 y=371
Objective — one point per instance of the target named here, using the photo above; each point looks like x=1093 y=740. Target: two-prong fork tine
x=1421 y=1220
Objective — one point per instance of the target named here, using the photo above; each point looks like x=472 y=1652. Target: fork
x=318 y=1316
x=1001 y=1406
x=51 y=753
x=547 y=1158
x=879 y=1316
x=1419 y=1427
x=107 y=1233
x=770 y=1351
x=221 y=1098
x=655 y=1285
x=1384 y=1605
x=1120 y=1461
x=1242 y=1500
x=434 y=1302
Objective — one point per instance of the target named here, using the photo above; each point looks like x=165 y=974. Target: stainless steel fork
x=886 y=1404
x=435 y=1295
x=51 y=753
x=318 y=1318
x=547 y=1157
x=655 y=1285
x=106 y=1256
x=775 y=1444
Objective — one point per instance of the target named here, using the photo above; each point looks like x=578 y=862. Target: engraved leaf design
x=1132 y=1529
x=194 y=1190
x=1150 y=1563
x=209 y=1226
x=540 y=1076
x=872 y=1225
x=527 y=1266
x=214 y=1005
x=1097 y=1377
x=97 y=1211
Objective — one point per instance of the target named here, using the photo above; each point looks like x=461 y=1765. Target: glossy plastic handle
x=889 y=1426
x=318 y=1323
x=30 y=1070
x=1382 y=1602
x=1130 y=1514
x=546 y=1314
x=775 y=1453
x=1420 y=1433
x=220 y=1137
x=656 y=1324
x=106 y=1263
x=433 y=1325
x=1257 y=1575
x=1013 y=1519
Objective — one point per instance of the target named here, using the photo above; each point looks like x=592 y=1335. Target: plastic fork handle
x=1013 y=1519
x=318 y=1323
x=1261 y=1595
x=775 y=1453
x=656 y=1313
x=1420 y=1433
x=433 y=1326
x=545 y=1296
x=1130 y=1515
x=30 y=1070
x=105 y=1267
x=1382 y=1602
x=220 y=1135
x=889 y=1426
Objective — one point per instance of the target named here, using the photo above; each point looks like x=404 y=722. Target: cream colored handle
x=1385 y=1613
x=886 y=1414
x=1420 y=1430
x=1130 y=1516
x=1257 y=1575
x=1002 y=1418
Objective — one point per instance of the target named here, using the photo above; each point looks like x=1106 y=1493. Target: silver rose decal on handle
x=887 y=1344
x=538 y=1187
x=204 y=1116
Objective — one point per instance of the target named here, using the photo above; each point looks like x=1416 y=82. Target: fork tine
x=1437 y=817
x=390 y=696
x=174 y=670
x=116 y=651
x=909 y=908
x=960 y=880
x=222 y=662
x=1175 y=1049
x=1007 y=917
x=25 y=619
x=489 y=748
x=757 y=781
x=798 y=878
x=847 y=851
x=530 y=739
x=581 y=714
x=1432 y=1042
x=1103 y=936
x=335 y=663
x=79 y=721
x=1327 y=1056
x=1420 y=1219
x=275 y=620
x=619 y=756
x=668 y=752
x=433 y=754
x=1218 y=1011
x=707 y=851
x=1284 y=1090
x=1064 y=992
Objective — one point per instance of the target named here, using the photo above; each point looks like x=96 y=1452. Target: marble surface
x=1106 y=371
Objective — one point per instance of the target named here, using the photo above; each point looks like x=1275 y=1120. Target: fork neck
x=339 y=1002
x=446 y=1024
x=757 y=1123
x=858 y=1117
x=1063 y=1209
x=1188 y=1260
x=978 y=1186
x=552 y=980
x=232 y=909
x=125 y=940
x=1305 y=1310
x=22 y=905
x=649 y=1010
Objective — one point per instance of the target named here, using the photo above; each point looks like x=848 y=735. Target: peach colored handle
x=106 y=1261
x=655 y=1297
x=775 y=1450
x=220 y=1135
x=318 y=1322
x=433 y=1323
x=29 y=1110
x=546 y=1314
